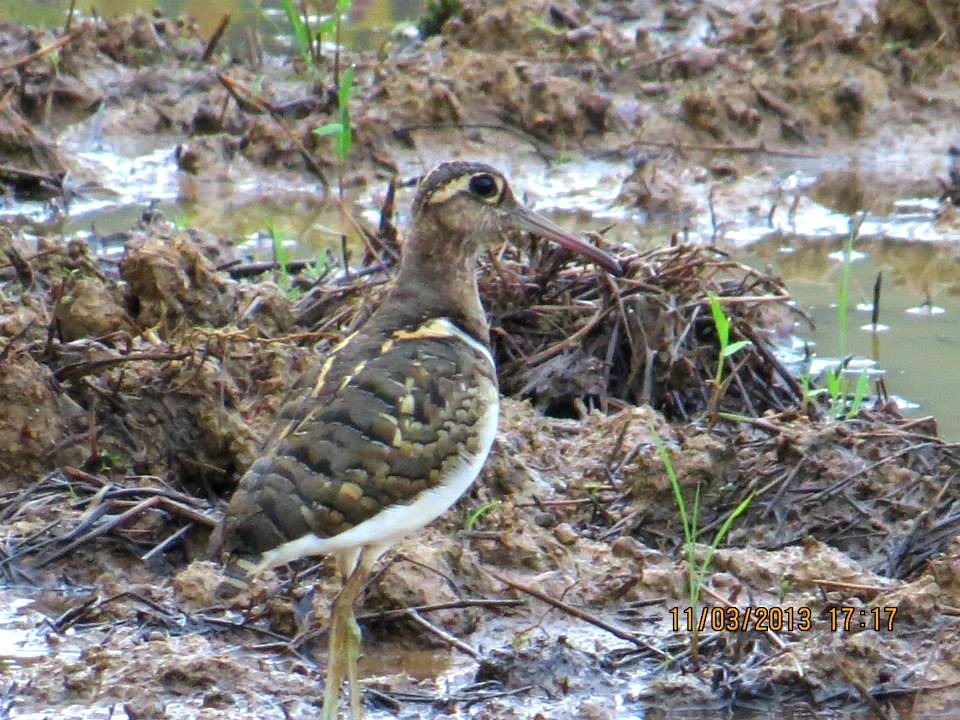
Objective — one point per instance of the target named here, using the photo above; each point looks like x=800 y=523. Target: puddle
x=918 y=309
x=21 y=629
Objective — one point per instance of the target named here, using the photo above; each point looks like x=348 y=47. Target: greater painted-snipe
x=394 y=424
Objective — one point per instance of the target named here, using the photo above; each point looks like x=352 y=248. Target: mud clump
x=411 y=581
x=91 y=309
x=171 y=282
x=93 y=385
x=31 y=425
x=919 y=22
x=34 y=167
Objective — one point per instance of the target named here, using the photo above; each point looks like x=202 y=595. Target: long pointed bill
x=526 y=219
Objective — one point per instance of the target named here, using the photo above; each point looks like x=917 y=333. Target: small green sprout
x=478 y=512
x=690 y=520
x=727 y=349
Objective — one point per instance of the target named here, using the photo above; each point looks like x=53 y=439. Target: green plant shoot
x=834 y=379
x=299 y=31
x=722 y=324
x=328 y=23
x=341 y=130
x=281 y=257
x=863 y=382
x=843 y=294
x=478 y=512
x=695 y=572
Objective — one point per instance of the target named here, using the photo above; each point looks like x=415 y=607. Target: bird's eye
x=483 y=185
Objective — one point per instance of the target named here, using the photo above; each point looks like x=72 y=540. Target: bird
x=396 y=422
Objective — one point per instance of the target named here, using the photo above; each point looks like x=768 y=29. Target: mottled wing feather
x=377 y=424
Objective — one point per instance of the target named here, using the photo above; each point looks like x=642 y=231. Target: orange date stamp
x=763 y=618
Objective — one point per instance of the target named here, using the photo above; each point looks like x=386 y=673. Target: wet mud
x=140 y=371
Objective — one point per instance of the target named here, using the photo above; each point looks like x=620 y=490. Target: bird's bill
x=526 y=219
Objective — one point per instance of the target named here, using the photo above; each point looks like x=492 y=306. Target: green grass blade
x=478 y=512
x=832 y=379
x=299 y=30
x=346 y=87
x=326 y=25
x=719 y=320
x=843 y=291
x=696 y=578
x=734 y=347
x=674 y=482
x=345 y=136
x=333 y=128
x=280 y=254
x=695 y=515
x=863 y=382
x=723 y=530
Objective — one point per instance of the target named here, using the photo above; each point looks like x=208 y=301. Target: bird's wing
x=387 y=417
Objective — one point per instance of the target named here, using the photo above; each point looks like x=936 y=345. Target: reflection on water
x=920 y=303
x=803 y=241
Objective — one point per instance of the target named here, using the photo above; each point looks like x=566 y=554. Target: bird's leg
x=353 y=641
x=345 y=645
x=331 y=690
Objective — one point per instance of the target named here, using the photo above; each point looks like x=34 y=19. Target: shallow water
x=21 y=640
x=424 y=674
x=370 y=23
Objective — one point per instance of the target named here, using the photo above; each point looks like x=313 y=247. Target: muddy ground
x=136 y=390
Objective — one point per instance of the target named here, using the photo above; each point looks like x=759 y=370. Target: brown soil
x=137 y=392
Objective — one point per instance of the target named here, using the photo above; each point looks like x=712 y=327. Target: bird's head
x=472 y=204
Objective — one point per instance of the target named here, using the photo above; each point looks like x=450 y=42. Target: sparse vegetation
x=341 y=129
x=727 y=349
x=473 y=515
x=307 y=29
x=300 y=33
x=837 y=380
x=281 y=257
x=690 y=519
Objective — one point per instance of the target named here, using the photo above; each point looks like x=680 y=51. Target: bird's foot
x=342 y=659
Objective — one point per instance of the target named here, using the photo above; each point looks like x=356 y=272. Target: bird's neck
x=439 y=280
